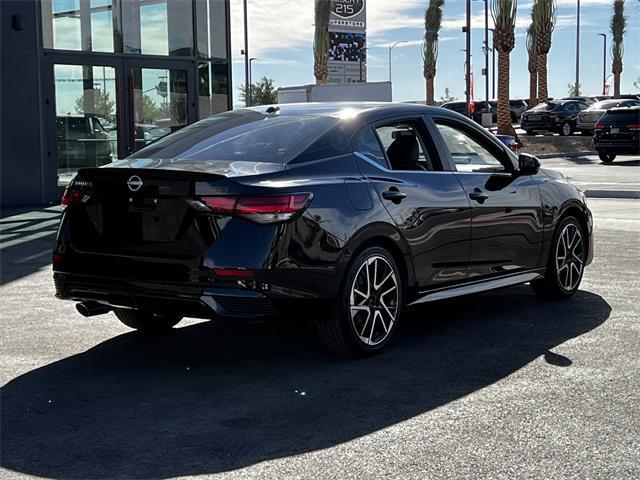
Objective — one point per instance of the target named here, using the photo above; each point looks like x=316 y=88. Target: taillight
x=599 y=126
x=70 y=197
x=472 y=108
x=634 y=127
x=78 y=191
x=260 y=208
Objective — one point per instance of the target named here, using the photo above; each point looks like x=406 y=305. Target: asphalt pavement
x=497 y=386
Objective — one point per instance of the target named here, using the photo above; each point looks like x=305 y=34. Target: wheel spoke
x=363 y=295
x=366 y=322
x=388 y=291
x=383 y=281
x=384 y=305
x=373 y=325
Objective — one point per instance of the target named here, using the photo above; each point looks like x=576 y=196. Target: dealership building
x=84 y=82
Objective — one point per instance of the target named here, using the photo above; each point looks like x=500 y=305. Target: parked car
x=587 y=119
x=509 y=141
x=82 y=142
x=618 y=133
x=516 y=109
x=477 y=107
x=557 y=116
x=587 y=100
x=337 y=213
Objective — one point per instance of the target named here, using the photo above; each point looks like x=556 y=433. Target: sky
x=281 y=37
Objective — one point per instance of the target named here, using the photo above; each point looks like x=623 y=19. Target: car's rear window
x=241 y=135
x=621 y=116
x=544 y=107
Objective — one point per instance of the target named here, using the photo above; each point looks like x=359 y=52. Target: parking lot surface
x=498 y=386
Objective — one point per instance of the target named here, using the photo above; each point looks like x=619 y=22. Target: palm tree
x=533 y=66
x=618 y=25
x=432 y=21
x=321 y=41
x=504 y=19
x=543 y=14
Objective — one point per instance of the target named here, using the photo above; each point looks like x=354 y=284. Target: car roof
x=337 y=108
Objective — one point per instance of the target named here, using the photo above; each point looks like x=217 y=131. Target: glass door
x=161 y=101
x=86 y=118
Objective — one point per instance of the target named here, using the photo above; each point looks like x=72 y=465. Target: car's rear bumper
x=617 y=146
x=544 y=123
x=190 y=301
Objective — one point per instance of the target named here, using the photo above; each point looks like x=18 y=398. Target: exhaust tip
x=90 y=309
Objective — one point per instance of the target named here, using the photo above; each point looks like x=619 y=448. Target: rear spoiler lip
x=178 y=174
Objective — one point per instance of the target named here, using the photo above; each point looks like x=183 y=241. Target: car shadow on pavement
x=214 y=396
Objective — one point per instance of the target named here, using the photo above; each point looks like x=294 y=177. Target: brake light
x=233 y=272
x=599 y=126
x=634 y=126
x=472 y=108
x=260 y=208
x=71 y=197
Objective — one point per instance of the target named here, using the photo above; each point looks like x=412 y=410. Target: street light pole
x=247 y=75
x=362 y=50
x=391 y=47
x=604 y=62
x=577 y=85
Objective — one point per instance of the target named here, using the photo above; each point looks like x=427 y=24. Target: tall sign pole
x=468 y=63
x=486 y=54
x=577 y=48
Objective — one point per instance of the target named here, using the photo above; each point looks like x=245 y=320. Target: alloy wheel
x=570 y=257
x=566 y=129
x=373 y=300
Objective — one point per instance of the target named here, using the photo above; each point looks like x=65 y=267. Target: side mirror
x=528 y=164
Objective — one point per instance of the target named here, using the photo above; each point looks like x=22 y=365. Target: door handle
x=478 y=195
x=393 y=194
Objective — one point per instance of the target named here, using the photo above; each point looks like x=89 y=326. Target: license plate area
x=615 y=130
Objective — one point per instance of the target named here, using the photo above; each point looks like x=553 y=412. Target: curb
x=612 y=194
x=565 y=154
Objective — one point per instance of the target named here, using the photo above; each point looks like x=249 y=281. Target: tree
x=432 y=22
x=321 y=41
x=618 y=26
x=102 y=103
x=532 y=65
x=151 y=111
x=504 y=18
x=262 y=92
x=447 y=97
x=574 y=89
x=543 y=15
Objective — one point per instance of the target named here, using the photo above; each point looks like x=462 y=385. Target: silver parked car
x=587 y=119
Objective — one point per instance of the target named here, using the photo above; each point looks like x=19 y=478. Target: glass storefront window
x=212 y=28
x=85 y=25
x=160 y=100
x=86 y=119
x=213 y=88
x=158 y=27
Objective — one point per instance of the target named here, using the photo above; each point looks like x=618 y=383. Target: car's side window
x=366 y=143
x=571 y=108
x=467 y=154
x=405 y=147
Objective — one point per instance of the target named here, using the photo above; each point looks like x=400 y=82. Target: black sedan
x=341 y=214
x=558 y=116
x=587 y=119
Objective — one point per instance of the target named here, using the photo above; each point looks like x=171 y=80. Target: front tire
x=565 y=266
x=606 y=157
x=147 y=322
x=367 y=308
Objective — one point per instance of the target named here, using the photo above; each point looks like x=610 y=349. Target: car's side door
x=506 y=219
x=426 y=202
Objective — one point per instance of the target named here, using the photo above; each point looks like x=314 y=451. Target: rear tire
x=368 y=306
x=530 y=133
x=565 y=266
x=607 y=157
x=147 y=322
x=566 y=129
